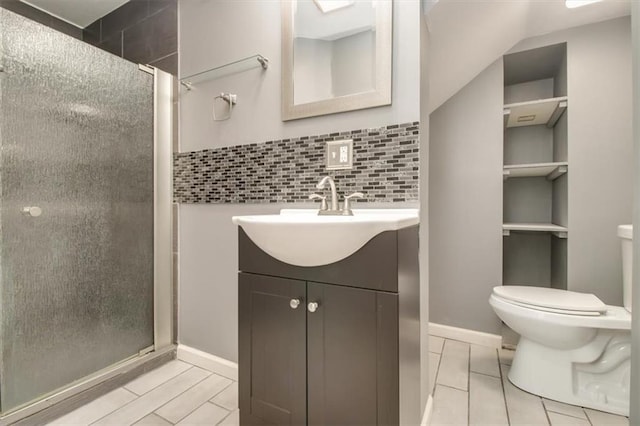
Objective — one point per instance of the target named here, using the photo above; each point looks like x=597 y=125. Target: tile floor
x=175 y=393
x=468 y=381
x=470 y=387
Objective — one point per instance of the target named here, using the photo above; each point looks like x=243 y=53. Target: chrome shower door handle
x=32 y=211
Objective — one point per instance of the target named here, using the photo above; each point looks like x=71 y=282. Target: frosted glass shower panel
x=76 y=216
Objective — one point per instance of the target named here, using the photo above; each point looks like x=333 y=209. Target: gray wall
x=634 y=415
x=215 y=33
x=600 y=151
x=599 y=181
x=465 y=204
x=537 y=89
x=424 y=211
x=207 y=317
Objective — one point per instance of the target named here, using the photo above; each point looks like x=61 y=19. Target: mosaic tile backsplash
x=385 y=168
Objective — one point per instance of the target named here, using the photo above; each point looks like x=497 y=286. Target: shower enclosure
x=78 y=211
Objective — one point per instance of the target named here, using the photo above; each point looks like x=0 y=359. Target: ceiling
x=310 y=22
x=77 y=12
x=466 y=36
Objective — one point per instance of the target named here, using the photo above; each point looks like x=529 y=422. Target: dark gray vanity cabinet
x=274 y=349
x=352 y=358
x=337 y=363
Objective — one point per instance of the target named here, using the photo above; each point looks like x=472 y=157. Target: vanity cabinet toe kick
x=337 y=344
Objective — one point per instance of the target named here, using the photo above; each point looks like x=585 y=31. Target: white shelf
x=533 y=113
x=551 y=171
x=557 y=230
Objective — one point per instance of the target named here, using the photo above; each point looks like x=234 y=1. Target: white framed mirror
x=336 y=56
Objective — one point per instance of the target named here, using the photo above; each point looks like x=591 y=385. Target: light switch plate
x=340 y=154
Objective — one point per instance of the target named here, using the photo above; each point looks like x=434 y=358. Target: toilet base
x=596 y=375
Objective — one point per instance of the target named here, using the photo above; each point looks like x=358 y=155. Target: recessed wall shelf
x=535 y=169
x=230 y=68
x=551 y=171
x=557 y=230
x=533 y=113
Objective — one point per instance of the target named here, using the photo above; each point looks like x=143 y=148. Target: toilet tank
x=625 y=232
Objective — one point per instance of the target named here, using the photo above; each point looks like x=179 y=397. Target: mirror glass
x=336 y=56
x=334 y=50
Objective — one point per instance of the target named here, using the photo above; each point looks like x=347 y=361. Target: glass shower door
x=76 y=210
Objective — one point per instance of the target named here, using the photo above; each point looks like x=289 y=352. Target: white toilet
x=573 y=348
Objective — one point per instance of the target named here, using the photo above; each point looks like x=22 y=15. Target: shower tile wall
x=41 y=17
x=385 y=168
x=142 y=31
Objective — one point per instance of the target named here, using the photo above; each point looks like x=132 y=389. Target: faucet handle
x=322 y=198
x=346 y=210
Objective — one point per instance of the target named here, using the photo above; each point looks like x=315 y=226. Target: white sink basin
x=302 y=238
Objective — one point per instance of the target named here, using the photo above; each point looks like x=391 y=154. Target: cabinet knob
x=312 y=307
x=294 y=303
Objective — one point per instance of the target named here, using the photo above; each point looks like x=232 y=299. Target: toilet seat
x=615 y=317
x=555 y=311
x=552 y=300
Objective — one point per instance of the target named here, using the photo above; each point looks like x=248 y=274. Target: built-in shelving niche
x=536 y=168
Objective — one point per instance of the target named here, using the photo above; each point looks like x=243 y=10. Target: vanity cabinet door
x=352 y=358
x=272 y=352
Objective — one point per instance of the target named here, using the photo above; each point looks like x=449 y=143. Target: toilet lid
x=560 y=301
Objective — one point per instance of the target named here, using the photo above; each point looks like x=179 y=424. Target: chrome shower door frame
x=72 y=396
x=163 y=192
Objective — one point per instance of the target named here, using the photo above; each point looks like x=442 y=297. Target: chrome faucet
x=346 y=208
x=335 y=206
x=334 y=195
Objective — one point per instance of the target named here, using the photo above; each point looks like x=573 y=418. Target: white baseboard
x=464 y=335
x=209 y=362
x=428 y=410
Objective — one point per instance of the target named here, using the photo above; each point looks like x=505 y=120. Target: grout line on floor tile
x=157 y=385
x=566 y=413
x=154 y=411
x=122 y=406
x=587 y=416
x=469 y=386
x=114 y=408
x=177 y=396
x=504 y=392
x=546 y=412
x=435 y=379
x=218 y=405
x=190 y=412
x=450 y=387
x=222 y=390
x=225 y=417
x=485 y=374
x=465 y=341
